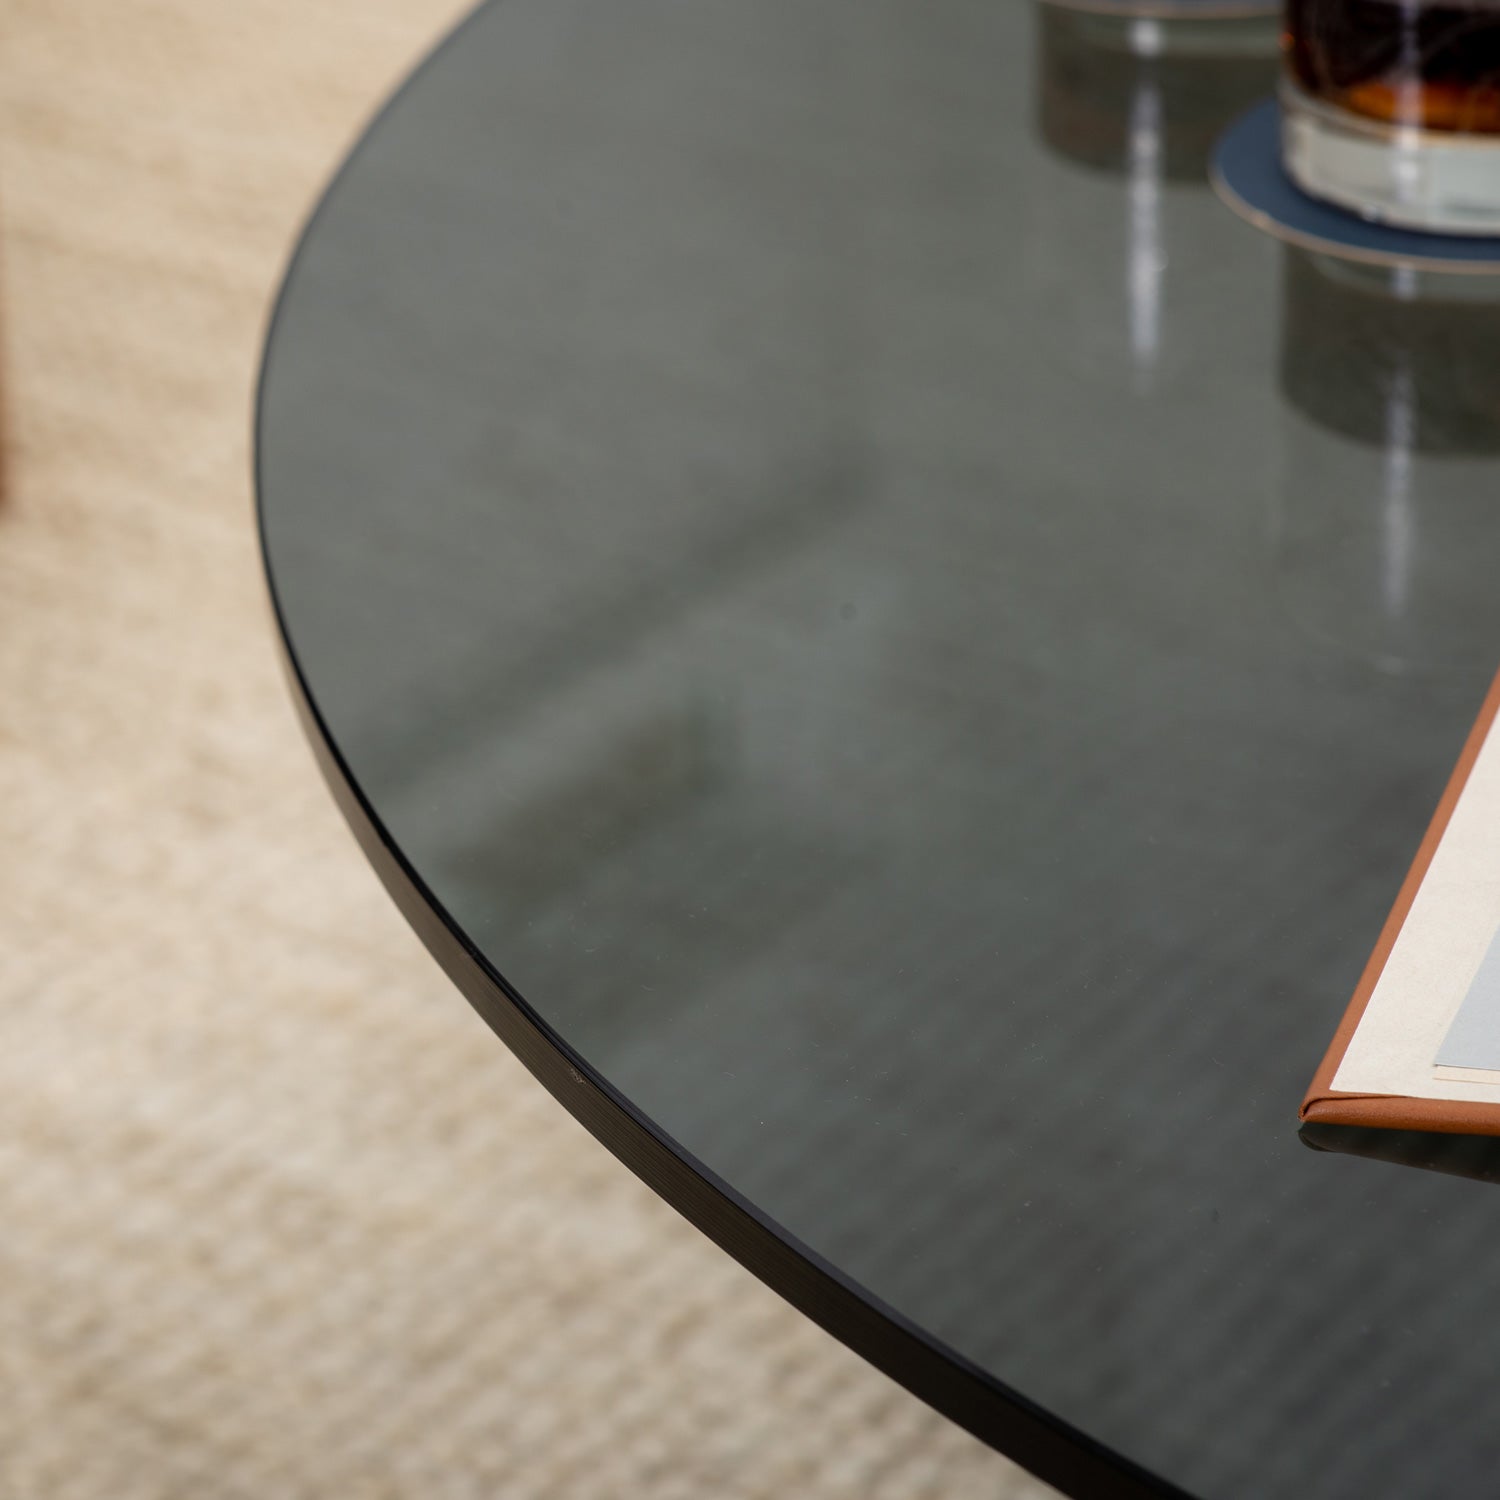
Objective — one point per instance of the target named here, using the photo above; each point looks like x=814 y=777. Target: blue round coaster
x=1248 y=175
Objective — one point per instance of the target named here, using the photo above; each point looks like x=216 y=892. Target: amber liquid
x=1401 y=62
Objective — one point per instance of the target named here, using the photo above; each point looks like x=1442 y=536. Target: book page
x=1431 y=1029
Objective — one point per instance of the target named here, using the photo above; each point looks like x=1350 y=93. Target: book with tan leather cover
x=1419 y=1046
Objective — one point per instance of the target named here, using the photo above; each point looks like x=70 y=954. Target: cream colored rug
x=278 y=1216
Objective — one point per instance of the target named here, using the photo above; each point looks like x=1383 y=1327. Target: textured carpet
x=278 y=1216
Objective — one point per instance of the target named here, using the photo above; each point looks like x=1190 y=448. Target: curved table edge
x=1055 y=1453
x=1047 y=1447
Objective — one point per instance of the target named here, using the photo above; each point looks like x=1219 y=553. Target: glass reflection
x=1143 y=96
x=1387 y=521
x=1145 y=99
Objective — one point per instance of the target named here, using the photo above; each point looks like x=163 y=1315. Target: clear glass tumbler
x=1392 y=109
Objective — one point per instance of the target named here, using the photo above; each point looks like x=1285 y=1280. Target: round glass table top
x=913 y=648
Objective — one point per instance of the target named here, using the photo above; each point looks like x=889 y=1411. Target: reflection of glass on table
x=1145 y=99
x=1393 y=109
x=1388 y=525
x=1111 y=84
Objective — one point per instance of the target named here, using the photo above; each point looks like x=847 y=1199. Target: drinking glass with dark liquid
x=1392 y=108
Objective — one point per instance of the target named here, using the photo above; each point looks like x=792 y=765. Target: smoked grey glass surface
x=923 y=647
